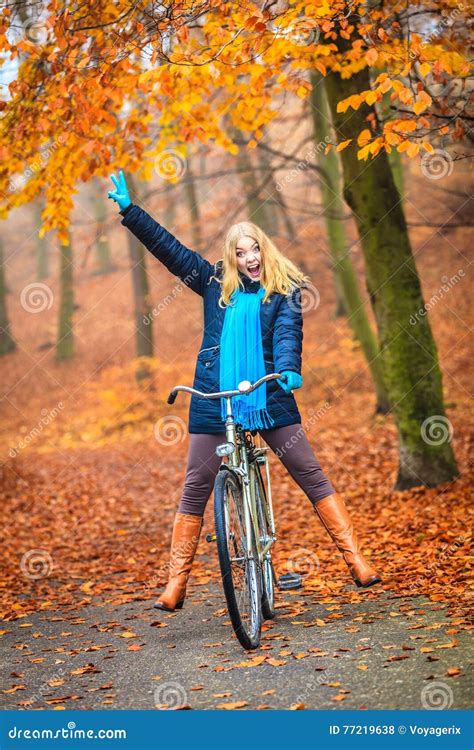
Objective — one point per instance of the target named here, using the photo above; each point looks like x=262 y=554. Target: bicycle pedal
x=211 y=537
x=289 y=581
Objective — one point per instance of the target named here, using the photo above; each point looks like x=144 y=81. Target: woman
x=252 y=326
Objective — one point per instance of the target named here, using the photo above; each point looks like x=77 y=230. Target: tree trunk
x=42 y=265
x=141 y=292
x=410 y=360
x=193 y=207
x=340 y=310
x=345 y=275
x=169 y=210
x=104 y=263
x=256 y=209
x=7 y=343
x=279 y=210
x=396 y=165
x=265 y=168
x=65 y=342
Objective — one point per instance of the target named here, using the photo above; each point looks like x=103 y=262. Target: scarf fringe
x=249 y=419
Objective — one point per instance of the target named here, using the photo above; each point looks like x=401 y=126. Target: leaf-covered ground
x=88 y=499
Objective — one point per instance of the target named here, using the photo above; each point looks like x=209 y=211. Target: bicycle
x=244 y=521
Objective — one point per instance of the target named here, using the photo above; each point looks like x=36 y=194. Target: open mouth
x=254 y=270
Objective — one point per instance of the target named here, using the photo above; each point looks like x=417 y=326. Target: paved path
x=369 y=657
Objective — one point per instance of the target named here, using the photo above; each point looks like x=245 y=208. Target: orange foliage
x=83 y=103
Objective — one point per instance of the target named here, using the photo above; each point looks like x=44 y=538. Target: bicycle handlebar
x=226 y=394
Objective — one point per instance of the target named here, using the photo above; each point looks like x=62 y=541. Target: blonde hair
x=279 y=274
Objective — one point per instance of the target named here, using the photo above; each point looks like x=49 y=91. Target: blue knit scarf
x=241 y=358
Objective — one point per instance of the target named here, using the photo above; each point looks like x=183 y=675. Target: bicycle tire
x=268 y=573
x=247 y=632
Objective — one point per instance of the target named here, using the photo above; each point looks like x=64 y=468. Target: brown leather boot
x=184 y=542
x=334 y=515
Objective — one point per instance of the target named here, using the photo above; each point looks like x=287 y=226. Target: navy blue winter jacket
x=281 y=325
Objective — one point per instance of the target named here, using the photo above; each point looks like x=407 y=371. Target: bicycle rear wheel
x=240 y=573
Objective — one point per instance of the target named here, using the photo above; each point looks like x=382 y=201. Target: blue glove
x=293 y=381
x=121 y=195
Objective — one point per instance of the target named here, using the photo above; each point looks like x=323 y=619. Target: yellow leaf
x=323 y=9
x=392 y=138
x=232 y=706
x=343 y=145
x=355 y=100
x=424 y=101
x=413 y=149
x=428 y=147
x=364 y=137
x=403 y=146
x=371 y=56
x=425 y=69
x=385 y=85
x=143 y=77
x=343 y=105
x=82 y=63
x=253 y=662
x=406 y=126
x=419 y=107
x=371 y=97
x=363 y=153
x=375 y=146
x=405 y=95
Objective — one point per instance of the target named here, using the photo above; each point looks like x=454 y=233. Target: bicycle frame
x=238 y=462
x=235 y=450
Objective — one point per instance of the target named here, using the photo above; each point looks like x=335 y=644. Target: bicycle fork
x=238 y=464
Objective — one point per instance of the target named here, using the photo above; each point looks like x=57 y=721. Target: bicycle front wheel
x=265 y=531
x=240 y=572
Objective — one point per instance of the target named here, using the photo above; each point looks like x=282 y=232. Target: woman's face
x=248 y=257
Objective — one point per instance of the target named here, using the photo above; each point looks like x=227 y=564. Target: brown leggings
x=289 y=443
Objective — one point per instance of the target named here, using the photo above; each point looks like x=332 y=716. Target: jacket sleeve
x=288 y=333
x=192 y=268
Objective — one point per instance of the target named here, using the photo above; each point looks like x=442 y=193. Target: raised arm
x=188 y=265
